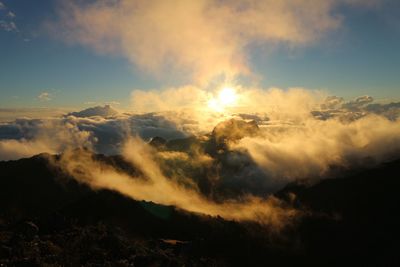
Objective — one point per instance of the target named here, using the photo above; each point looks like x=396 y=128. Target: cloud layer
x=25 y=137
x=271 y=137
x=325 y=131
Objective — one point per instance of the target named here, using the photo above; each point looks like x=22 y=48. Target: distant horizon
x=130 y=108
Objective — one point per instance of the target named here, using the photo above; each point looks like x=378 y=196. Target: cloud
x=301 y=134
x=390 y=111
x=230 y=172
x=44 y=96
x=110 y=103
x=200 y=39
x=15 y=149
x=11 y=15
x=6 y=19
x=11 y=114
x=273 y=109
x=314 y=148
x=337 y=107
x=25 y=138
x=288 y=145
x=169 y=99
x=191 y=103
x=186 y=106
x=357 y=103
x=332 y=102
x=8 y=26
x=154 y=186
x=107 y=133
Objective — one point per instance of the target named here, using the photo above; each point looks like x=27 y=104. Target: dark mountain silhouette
x=158 y=142
x=353 y=220
x=233 y=130
x=49 y=218
x=224 y=132
x=102 y=111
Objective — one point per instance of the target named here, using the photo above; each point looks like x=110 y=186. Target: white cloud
x=8 y=26
x=108 y=132
x=112 y=103
x=201 y=39
x=44 y=96
x=11 y=14
x=278 y=111
x=153 y=185
x=169 y=99
x=25 y=138
x=12 y=114
x=312 y=148
x=6 y=20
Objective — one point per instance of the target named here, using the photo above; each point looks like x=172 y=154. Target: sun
x=227 y=97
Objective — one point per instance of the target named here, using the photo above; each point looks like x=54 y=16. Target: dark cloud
x=358 y=103
x=336 y=107
x=332 y=102
x=390 y=111
x=107 y=132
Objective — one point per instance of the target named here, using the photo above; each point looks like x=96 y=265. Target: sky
x=353 y=53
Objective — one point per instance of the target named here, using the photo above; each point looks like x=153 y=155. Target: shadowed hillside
x=48 y=218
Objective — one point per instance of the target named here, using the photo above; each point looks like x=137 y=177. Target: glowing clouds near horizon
x=300 y=134
x=227 y=97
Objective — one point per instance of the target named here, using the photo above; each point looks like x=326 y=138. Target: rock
x=157 y=142
x=28 y=230
x=106 y=111
x=234 y=130
x=5 y=252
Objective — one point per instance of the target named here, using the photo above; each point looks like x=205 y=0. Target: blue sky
x=361 y=57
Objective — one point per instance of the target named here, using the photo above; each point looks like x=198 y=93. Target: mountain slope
x=48 y=218
x=353 y=219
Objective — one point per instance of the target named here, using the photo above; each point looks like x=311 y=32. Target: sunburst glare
x=227 y=97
